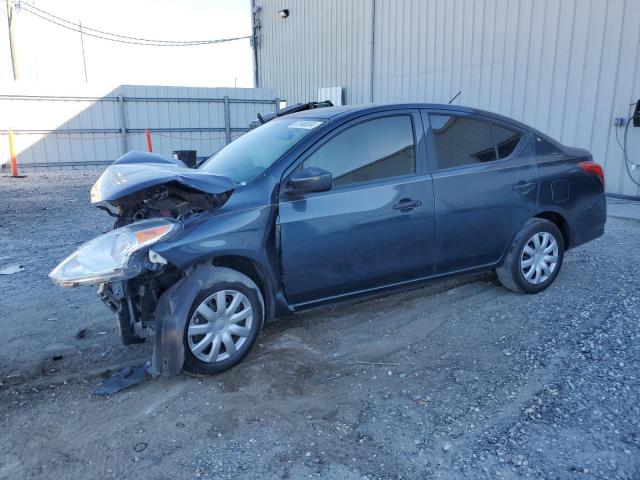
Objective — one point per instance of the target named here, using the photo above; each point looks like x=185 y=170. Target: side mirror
x=309 y=180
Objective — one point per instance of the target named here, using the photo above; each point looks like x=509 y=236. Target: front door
x=375 y=226
x=485 y=184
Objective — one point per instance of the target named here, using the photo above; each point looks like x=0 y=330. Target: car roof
x=329 y=112
x=334 y=113
x=347 y=112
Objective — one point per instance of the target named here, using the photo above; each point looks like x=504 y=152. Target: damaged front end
x=152 y=199
x=134 y=301
x=146 y=185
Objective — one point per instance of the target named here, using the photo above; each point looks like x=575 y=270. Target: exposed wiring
x=623 y=146
x=113 y=37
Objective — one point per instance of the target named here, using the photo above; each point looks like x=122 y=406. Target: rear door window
x=372 y=150
x=506 y=140
x=462 y=141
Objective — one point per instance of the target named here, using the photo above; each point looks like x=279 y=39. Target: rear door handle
x=407 y=205
x=523 y=187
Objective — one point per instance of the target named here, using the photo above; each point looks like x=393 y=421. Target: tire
x=211 y=328
x=518 y=264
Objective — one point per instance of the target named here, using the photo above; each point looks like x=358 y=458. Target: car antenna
x=456 y=96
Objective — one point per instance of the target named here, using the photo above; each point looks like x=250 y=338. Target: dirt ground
x=461 y=378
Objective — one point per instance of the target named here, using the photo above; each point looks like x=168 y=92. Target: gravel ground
x=459 y=378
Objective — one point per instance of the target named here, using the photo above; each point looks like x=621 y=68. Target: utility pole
x=12 y=40
x=255 y=29
x=84 y=60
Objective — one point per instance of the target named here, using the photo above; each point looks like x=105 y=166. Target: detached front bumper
x=171 y=317
x=139 y=308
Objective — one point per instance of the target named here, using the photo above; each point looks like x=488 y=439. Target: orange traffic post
x=12 y=155
x=148 y=135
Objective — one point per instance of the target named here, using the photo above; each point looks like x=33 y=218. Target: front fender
x=246 y=233
x=171 y=316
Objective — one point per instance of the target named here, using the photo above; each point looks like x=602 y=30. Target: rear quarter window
x=462 y=141
x=544 y=147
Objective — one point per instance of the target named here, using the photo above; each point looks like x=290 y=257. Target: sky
x=49 y=54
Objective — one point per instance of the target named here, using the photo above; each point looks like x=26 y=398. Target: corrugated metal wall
x=321 y=44
x=82 y=126
x=566 y=67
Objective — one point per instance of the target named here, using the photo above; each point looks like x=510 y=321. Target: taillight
x=593 y=168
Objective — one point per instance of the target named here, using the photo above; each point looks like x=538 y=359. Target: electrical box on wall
x=636 y=115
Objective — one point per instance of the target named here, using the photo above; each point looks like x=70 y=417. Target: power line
x=126 y=37
x=56 y=20
x=131 y=42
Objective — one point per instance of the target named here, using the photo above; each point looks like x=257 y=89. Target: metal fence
x=59 y=130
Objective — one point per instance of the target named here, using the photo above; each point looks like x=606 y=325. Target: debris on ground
x=11 y=269
x=493 y=384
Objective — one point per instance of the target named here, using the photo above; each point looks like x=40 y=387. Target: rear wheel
x=224 y=323
x=534 y=257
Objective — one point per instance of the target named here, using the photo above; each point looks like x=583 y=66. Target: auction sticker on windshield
x=306 y=124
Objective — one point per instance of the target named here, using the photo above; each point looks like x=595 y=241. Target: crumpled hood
x=136 y=171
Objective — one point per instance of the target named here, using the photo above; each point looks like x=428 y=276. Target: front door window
x=373 y=150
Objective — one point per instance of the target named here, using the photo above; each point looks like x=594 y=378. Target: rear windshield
x=250 y=155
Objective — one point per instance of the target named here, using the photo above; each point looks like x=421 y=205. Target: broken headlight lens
x=112 y=256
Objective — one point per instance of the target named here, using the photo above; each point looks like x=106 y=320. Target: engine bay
x=170 y=200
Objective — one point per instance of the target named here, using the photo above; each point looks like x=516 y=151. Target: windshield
x=250 y=155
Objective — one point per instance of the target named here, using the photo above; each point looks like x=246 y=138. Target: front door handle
x=407 y=205
x=523 y=187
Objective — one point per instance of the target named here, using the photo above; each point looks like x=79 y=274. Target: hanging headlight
x=113 y=256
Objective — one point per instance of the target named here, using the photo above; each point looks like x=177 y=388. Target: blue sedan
x=326 y=204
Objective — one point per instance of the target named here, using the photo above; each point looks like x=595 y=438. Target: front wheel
x=224 y=322
x=534 y=257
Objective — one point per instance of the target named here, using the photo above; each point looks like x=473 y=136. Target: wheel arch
x=553 y=216
x=252 y=269
x=172 y=311
x=559 y=221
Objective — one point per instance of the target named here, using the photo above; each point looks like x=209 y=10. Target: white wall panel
x=566 y=67
x=54 y=125
x=321 y=43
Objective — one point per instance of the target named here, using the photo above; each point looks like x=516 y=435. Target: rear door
x=375 y=226
x=485 y=182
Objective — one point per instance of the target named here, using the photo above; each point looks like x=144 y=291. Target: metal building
x=566 y=67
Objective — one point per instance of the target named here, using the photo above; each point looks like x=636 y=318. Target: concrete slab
x=621 y=208
x=474 y=381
